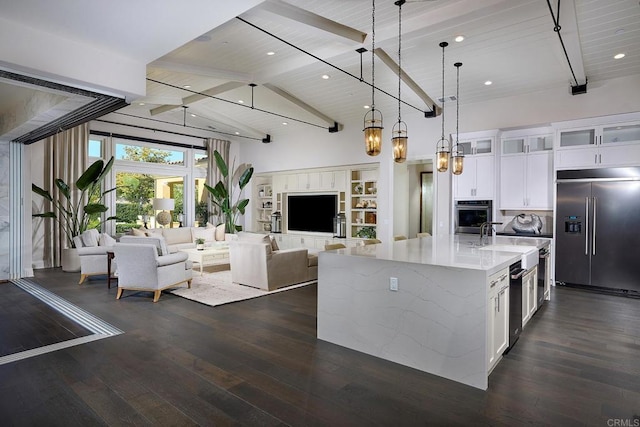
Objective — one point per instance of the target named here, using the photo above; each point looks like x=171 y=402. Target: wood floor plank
x=258 y=362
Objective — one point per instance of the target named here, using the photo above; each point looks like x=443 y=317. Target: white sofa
x=256 y=261
x=142 y=268
x=185 y=237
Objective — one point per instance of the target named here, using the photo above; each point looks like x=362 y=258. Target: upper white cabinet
x=477 y=180
x=605 y=145
x=526 y=172
x=310 y=181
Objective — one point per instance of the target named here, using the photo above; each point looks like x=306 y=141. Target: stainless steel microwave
x=470 y=214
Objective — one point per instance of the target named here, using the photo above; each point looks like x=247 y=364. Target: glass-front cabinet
x=606 y=145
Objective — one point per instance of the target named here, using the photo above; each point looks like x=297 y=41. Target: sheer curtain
x=65 y=157
x=214 y=175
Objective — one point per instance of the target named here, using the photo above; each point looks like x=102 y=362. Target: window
x=140 y=153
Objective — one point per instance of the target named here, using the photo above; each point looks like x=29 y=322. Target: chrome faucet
x=487 y=228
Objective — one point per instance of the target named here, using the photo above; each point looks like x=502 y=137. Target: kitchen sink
x=529 y=253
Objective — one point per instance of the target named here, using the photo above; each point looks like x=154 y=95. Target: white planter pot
x=70 y=260
x=200 y=246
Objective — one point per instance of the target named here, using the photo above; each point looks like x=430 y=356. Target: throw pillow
x=138 y=232
x=153 y=233
x=208 y=234
x=90 y=238
x=164 y=250
x=220 y=230
x=274 y=244
x=106 y=240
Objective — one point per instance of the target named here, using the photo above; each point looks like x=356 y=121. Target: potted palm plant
x=77 y=217
x=200 y=244
x=222 y=192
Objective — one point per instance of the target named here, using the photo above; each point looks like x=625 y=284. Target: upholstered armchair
x=141 y=268
x=92 y=250
x=255 y=262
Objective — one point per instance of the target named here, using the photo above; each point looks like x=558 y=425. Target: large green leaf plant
x=76 y=218
x=222 y=193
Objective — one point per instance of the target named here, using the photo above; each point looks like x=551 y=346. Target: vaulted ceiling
x=511 y=43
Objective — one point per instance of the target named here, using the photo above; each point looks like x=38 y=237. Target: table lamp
x=163 y=218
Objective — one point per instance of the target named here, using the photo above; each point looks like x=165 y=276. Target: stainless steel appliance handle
x=593 y=242
x=518 y=275
x=586 y=226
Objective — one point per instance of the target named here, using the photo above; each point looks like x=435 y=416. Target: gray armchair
x=92 y=251
x=140 y=268
x=255 y=263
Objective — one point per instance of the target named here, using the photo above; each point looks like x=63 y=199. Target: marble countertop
x=458 y=251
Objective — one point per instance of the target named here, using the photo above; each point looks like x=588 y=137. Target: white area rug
x=216 y=289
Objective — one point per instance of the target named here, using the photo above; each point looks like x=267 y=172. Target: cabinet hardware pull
x=593 y=243
x=498 y=301
x=600 y=158
x=595 y=158
x=586 y=226
x=504 y=276
x=493 y=283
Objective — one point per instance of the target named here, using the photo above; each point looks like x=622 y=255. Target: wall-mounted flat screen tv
x=311 y=212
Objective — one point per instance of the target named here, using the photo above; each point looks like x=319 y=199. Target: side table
x=110 y=256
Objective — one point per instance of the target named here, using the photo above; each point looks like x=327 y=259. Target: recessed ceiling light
x=619 y=56
x=237 y=133
x=141 y=103
x=488 y=83
x=240 y=101
x=186 y=86
x=459 y=38
x=193 y=115
x=271 y=53
x=366 y=107
x=326 y=76
x=285 y=123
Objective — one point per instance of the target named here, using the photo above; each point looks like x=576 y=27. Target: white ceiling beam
x=393 y=66
x=228 y=121
x=297 y=14
x=201 y=71
x=297 y=101
x=197 y=96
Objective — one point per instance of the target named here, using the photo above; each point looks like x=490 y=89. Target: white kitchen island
x=437 y=320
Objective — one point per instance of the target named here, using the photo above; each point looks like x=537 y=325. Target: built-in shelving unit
x=364 y=203
x=263 y=205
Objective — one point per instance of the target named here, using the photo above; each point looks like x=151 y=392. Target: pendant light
x=443 y=145
x=399 y=132
x=373 y=118
x=457 y=154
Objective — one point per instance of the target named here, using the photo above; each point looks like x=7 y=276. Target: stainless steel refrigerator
x=598 y=228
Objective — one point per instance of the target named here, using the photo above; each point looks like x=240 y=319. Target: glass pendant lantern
x=443 y=145
x=399 y=134
x=373 y=118
x=399 y=141
x=457 y=154
x=373 y=132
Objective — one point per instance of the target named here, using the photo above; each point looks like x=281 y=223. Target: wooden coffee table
x=212 y=255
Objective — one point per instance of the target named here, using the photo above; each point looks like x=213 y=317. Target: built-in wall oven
x=470 y=214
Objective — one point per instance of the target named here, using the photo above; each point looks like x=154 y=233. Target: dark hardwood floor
x=258 y=362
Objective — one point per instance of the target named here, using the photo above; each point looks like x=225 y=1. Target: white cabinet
x=529 y=294
x=498 y=317
x=526 y=181
x=477 y=180
x=333 y=180
x=607 y=145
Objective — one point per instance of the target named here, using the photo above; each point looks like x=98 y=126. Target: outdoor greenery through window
x=138 y=153
x=136 y=190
